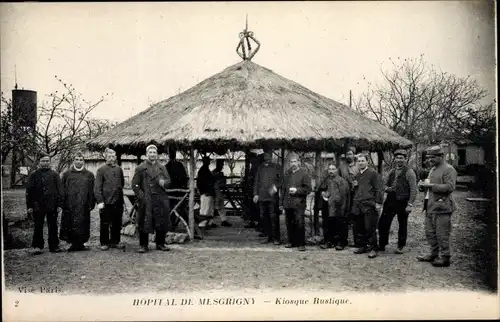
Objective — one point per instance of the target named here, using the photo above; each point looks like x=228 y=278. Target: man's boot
x=427 y=258
x=443 y=261
x=360 y=250
x=373 y=253
x=326 y=246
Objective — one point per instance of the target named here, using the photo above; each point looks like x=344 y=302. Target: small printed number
x=17 y=304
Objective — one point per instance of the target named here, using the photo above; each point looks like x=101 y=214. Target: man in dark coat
x=438 y=187
x=153 y=216
x=401 y=191
x=367 y=204
x=78 y=201
x=296 y=187
x=44 y=199
x=253 y=217
x=267 y=184
x=108 y=192
x=178 y=180
x=335 y=192
x=348 y=170
x=206 y=187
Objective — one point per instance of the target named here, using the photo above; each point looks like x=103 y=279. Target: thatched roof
x=247 y=105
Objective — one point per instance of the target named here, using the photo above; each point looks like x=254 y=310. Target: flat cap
x=400 y=152
x=435 y=150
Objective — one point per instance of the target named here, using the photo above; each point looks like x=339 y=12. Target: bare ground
x=232 y=259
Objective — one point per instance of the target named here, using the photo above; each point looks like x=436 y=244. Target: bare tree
x=64 y=124
x=419 y=102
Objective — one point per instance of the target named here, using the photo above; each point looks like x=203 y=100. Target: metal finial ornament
x=244 y=49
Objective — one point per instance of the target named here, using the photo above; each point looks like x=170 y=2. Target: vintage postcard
x=249 y=161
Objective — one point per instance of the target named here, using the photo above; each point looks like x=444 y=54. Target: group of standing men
x=352 y=193
x=78 y=192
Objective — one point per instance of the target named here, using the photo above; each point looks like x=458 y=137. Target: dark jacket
x=267 y=176
x=154 y=206
x=370 y=189
x=337 y=189
x=300 y=180
x=206 y=181
x=349 y=172
x=44 y=191
x=403 y=187
x=178 y=175
x=109 y=182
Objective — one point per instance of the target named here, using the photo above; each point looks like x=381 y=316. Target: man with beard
x=266 y=186
x=44 y=199
x=297 y=186
x=439 y=187
x=108 y=192
x=349 y=170
x=401 y=193
x=153 y=217
x=78 y=201
x=220 y=185
x=367 y=203
x=335 y=193
x=205 y=182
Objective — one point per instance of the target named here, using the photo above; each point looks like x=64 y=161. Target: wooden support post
x=138 y=159
x=380 y=159
x=192 y=171
x=317 y=166
x=119 y=158
x=248 y=201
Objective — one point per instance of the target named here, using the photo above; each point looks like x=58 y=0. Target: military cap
x=435 y=150
x=400 y=152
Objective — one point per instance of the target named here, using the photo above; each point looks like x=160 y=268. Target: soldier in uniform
x=267 y=184
x=439 y=187
x=149 y=183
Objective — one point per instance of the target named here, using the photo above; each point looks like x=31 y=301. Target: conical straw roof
x=247 y=105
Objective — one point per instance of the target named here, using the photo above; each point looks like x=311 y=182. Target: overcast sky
x=147 y=52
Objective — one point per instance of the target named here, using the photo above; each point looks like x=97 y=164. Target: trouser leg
x=384 y=225
x=335 y=232
x=265 y=211
x=403 y=226
x=116 y=223
x=326 y=223
x=143 y=234
x=300 y=228
x=39 y=218
x=359 y=227
x=52 y=228
x=290 y=226
x=342 y=226
x=430 y=233
x=160 y=237
x=371 y=219
x=105 y=222
x=443 y=230
x=275 y=224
